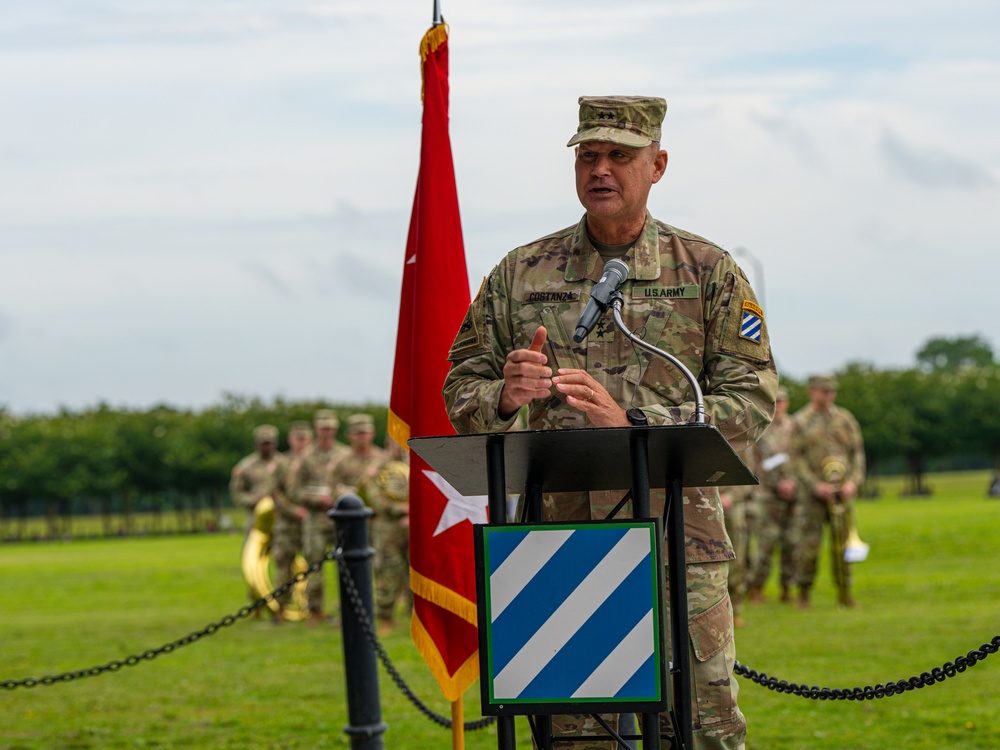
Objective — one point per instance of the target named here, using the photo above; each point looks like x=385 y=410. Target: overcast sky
x=208 y=197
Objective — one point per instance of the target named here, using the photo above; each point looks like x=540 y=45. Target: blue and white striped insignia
x=752 y=323
x=750 y=327
x=572 y=614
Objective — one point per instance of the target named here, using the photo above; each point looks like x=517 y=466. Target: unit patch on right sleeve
x=471 y=337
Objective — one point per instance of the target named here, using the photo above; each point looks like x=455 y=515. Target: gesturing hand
x=525 y=376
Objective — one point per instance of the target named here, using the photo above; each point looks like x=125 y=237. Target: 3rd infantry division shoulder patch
x=752 y=321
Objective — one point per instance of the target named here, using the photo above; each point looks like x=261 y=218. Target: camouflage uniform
x=387 y=493
x=817 y=439
x=312 y=481
x=286 y=535
x=686 y=296
x=255 y=477
x=353 y=469
x=776 y=513
x=738 y=500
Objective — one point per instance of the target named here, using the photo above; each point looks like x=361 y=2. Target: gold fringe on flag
x=443 y=597
x=398 y=430
x=434 y=38
x=451 y=685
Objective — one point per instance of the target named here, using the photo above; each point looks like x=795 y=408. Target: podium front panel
x=570 y=617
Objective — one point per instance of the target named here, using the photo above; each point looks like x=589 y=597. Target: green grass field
x=929 y=593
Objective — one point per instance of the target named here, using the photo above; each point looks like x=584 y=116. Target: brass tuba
x=256 y=562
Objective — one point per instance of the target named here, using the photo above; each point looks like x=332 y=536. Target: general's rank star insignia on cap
x=752 y=321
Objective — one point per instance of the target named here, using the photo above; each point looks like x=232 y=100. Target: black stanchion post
x=364 y=709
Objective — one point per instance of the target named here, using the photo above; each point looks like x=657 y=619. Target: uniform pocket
x=712 y=629
x=714 y=649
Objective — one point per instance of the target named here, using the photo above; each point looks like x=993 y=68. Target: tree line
x=942 y=412
x=117 y=463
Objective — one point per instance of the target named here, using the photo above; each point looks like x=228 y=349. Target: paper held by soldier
x=773 y=462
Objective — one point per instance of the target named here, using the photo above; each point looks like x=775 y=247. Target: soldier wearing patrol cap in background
x=362 y=460
x=736 y=503
x=286 y=534
x=258 y=475
x=263 y=473
x=829 y=465
x=312 y=491
x=684 y=295
x=776 y=498
x=387 y=493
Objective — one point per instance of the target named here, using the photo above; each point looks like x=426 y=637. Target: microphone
x=614 y=275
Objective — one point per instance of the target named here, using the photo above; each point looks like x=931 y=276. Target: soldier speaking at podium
x=684 y=295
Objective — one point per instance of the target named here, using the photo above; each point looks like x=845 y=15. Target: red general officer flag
x=434 y=301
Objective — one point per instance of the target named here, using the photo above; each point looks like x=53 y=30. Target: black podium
x=638 y=458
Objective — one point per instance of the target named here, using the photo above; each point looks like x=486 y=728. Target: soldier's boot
x=279 y=617
x=804 y=602
x=786 y=594
x=755 y=595
x=850 y=602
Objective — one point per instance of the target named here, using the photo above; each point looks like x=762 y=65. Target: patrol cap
x=326 y=418
x=265 y=433
x=823 y=382
x=300 y=427
x=782 y=395
x=627 y=120
x=360 y=423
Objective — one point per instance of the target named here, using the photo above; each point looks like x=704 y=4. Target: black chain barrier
x=150 y=654
x=244 y=612
x=361 y=613
x=882 y=690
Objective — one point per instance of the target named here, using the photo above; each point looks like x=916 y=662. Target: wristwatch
x=637 y=417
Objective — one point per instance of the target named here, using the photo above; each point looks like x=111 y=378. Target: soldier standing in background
x=736 y=506
x=264 y=473
x=362 y=460
x=312 y=491
x=776 y=499
x=689 y=297
x=286 y=534
x=260 y=474
x=829 y=465
x=388 y=495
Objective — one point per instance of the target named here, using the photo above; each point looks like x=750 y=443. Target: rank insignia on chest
x=752 y=321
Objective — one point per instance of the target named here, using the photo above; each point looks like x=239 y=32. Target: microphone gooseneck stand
x=680 y=668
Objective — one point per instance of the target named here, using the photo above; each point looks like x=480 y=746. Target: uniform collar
x=643 y=258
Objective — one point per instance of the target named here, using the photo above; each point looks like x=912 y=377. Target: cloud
x=787 y=132
x=271 y=278
x=207 y=176
x=6 y=326
x=59 y=24
x=932 y=168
